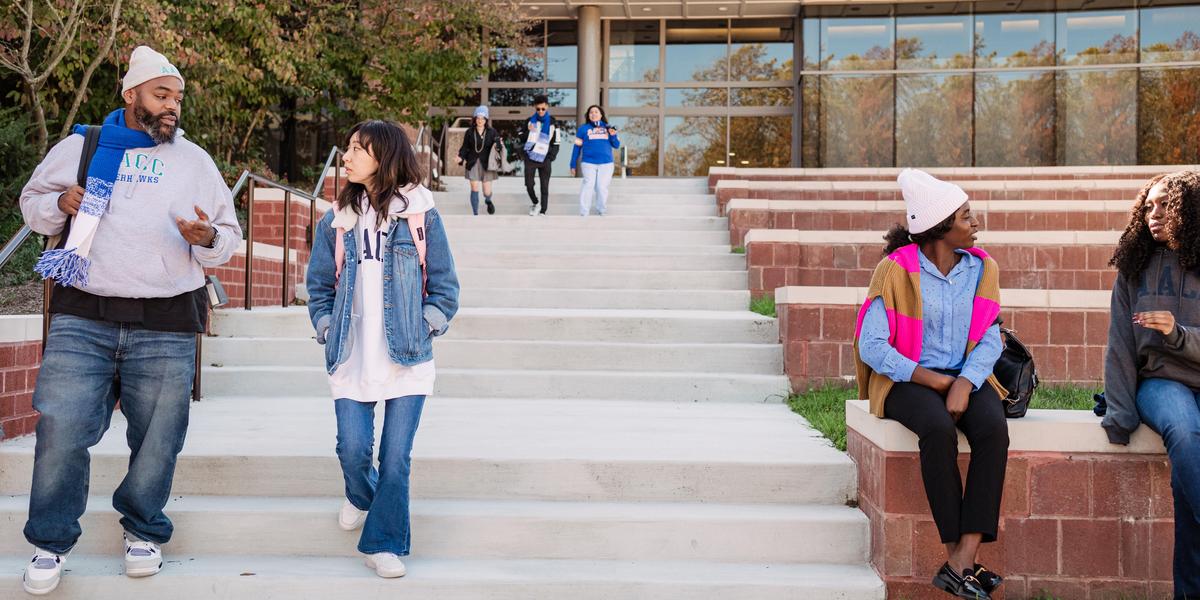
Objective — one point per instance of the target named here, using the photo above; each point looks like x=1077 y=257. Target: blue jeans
x=76 y=390
x=383 y=491
x=1173 y=410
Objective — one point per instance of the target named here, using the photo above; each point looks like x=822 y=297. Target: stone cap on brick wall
x=271 y=194
x=897 y=206
x=266 y=251
x=1072 y=431
x=1009 y=298
x=952 y=171
x=968 y=185
x=1039 y=238
x=20 y=328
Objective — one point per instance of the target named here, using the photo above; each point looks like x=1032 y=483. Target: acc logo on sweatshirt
x=597 y=133
x=151 y=168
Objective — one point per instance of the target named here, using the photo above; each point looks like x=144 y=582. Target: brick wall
x=955 y=174
x=19 y=362
x=1067 y=343
x=772 y=265
x=1079 y=525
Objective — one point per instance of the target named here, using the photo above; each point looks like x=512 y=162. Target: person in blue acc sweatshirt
x=594 y=143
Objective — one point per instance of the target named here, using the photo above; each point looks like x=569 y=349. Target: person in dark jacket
x=539 y=147
x=474 y=153
x=1152 y=366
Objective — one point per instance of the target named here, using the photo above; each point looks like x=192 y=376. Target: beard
x=159 y=131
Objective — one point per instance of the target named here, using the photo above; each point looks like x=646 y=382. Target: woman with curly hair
x=1152 y=367
x=927 y=340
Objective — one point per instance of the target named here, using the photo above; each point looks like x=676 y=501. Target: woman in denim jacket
x=381 y=286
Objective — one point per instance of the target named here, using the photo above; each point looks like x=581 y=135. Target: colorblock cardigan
x=897 y=279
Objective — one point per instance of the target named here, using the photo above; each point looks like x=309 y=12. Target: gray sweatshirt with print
x=1136 y=352
x=138 y=251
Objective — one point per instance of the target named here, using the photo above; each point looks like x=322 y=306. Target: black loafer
x=988 y=580
x=959 y=586
x=491 y=208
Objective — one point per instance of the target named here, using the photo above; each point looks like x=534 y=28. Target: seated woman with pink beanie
x=926 y=341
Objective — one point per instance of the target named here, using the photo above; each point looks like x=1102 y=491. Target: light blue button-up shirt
x=947 y=302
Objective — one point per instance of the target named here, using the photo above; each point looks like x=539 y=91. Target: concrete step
x=457 y=223
x=231 y=577
x=605 y=298
x=552 y=325
x=590 y=235
x=511 y=383
x=626 y=259
x=570 y=185
x=619 y=279
x=491 y=529
x=761 y=359
x=513 y=448
x=558 y=197
x=575 y=248
x=568 y=206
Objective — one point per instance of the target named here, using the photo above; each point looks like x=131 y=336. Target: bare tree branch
x=28 y=35
x=82 y=88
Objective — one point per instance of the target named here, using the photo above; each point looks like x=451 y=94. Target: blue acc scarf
x=69 y=265
x=540 y=138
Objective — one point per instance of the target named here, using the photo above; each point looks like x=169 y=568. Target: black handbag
x=1015 y=371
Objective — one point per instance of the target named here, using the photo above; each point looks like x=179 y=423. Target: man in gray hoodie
x=155 y=211
x=1152 y=368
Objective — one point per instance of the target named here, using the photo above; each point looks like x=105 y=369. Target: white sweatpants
x=595 y=183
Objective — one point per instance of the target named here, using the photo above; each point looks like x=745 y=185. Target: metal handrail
x=288 y=191
x=10 y=247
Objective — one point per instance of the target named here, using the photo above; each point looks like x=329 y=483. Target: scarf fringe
x=66 y=267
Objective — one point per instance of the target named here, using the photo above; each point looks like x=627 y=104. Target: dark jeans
x=923 y=411
x=1170 y=408
x=383 y=491
x=75 y=394
x=543 y=173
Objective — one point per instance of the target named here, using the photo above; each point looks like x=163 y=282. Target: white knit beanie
x=927 y=199
x=146 y=64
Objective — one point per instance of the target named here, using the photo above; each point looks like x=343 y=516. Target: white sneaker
x=350 y=518
x=142 y=558
x=43 y=572
x=541 y=214
x=533 y=210
x=386 y=565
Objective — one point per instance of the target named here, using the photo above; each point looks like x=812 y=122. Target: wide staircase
x=608 y=424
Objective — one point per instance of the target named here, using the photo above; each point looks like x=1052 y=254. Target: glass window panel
x=810 y=124
x=561 y=96
x=762 y=50
x=761 y=97
x=520 y=64
x=632 y=97
x=856 y=44
x=1014 y=40
x=697 y=97
x=933 y=120
x=1171 y=34
x=640 y=136
x=693 y=144
x=513 y=96
x=696 y=50
x=760 y=142
x=562 y=51
x=1014 y=119
x=933 y=42
x=561 y=167
x=1097 y=37
x=1097 y=117
x=1169 y=116
x=633 y=51
x=857 y=113
x=812 y=44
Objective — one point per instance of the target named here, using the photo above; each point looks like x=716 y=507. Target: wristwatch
x=216 y=235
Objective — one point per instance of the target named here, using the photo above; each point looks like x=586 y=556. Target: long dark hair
x=398 y=167
x=603 y=117
x=1183 y=226
x=899 y=236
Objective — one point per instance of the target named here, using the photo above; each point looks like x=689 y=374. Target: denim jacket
x=410 y=323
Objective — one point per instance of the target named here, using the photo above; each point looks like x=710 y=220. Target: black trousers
x=923 y=411
x=543 y=171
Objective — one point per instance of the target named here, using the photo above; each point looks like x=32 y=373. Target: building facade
x=750 y=83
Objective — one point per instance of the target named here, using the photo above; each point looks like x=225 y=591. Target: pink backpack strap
x=416 y=227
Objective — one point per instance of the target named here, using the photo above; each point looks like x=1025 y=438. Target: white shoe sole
x=142 y=571
x=39 y=592
x=351 y=526
x=393 y=575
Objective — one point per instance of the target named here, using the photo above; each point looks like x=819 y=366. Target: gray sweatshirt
x=138 y=251
x=1136 y=352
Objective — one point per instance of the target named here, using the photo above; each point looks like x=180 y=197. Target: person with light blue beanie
x=475 y=153
x=594 y=143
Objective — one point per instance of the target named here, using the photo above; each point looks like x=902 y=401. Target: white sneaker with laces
x=533 y=210
x=386 y=565
x=43 y=572
x=350 y=518
x=142 y=558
